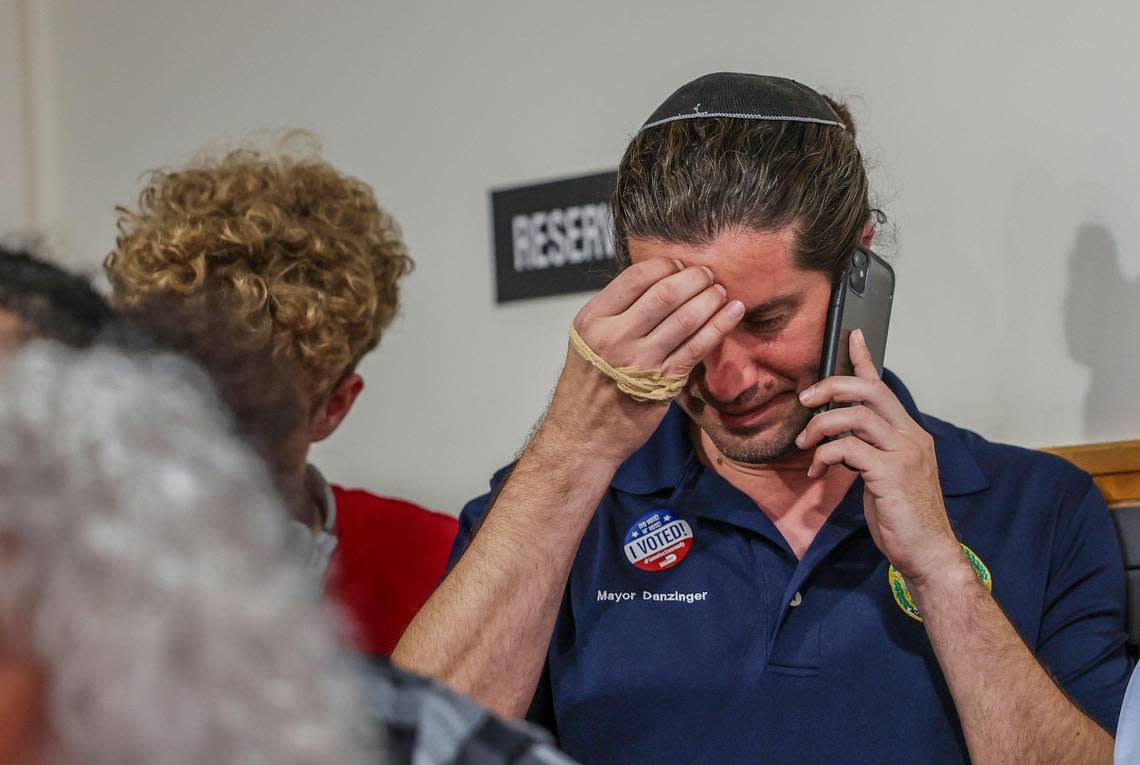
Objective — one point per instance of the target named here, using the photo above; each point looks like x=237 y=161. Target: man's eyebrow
x=783 y=302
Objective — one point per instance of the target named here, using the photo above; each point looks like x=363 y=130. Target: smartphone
x=860 y=299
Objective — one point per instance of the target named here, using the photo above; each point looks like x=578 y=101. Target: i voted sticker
x=658 y=541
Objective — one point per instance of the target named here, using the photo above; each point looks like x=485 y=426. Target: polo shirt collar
x=958 y=471
x=659 y=465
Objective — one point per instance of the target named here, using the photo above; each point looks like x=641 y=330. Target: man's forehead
x=732 y=248
x=754 y=266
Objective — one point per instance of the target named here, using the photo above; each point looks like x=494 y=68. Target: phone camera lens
x=857 y=275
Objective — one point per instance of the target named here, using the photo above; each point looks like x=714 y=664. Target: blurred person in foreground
x=148 y=613
x=307 y=263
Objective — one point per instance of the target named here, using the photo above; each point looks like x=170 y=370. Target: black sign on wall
x=554 y=238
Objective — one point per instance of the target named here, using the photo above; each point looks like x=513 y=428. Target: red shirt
x=390 y=556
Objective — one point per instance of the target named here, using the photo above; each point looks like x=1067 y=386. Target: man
x=308 y=265
x=809 y=600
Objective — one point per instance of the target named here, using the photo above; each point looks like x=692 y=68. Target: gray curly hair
x=143 y=553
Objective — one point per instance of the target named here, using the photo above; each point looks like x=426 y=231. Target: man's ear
x=333 y=411
x=868 y=235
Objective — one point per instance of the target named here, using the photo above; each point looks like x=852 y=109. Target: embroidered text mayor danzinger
x=676 y=596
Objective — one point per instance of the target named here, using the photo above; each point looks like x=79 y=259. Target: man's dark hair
x=54 y=303
x=690 y=180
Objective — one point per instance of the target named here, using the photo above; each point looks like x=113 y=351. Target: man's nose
x=728 y=372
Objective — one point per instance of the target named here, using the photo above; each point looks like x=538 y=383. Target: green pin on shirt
x=902 y=594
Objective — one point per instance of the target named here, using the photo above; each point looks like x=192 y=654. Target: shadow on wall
x=1102 y=329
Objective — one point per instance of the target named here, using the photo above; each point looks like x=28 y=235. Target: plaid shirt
x=426 y=724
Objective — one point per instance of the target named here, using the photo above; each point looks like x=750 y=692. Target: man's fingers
x=861 y=356
x=685 y=321
x=872 y=393
x=663 y=298
x=712 y=334
x=629 y=285
x=855 y=453
x=859 y=420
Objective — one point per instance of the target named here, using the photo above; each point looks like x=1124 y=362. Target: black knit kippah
x=745 y=96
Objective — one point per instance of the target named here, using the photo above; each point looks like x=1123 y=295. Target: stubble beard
x=771 y=443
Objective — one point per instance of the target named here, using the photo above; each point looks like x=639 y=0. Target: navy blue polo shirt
x=690 y=632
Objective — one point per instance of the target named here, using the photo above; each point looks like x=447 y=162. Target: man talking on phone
x=729 y=578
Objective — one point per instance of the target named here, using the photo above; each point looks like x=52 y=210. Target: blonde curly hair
x=308 y=257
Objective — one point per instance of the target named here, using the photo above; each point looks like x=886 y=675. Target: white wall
x=1002 y=137
x=15 y=212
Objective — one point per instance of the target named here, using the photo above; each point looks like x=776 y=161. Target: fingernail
x=859 y=334
x=720 y=288
x=810 y=471
x=736 y=309
x=708 y=272
x=800 y=438
x=680 y=266
x=807 y=395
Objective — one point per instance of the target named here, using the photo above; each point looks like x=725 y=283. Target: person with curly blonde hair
x=307 y=266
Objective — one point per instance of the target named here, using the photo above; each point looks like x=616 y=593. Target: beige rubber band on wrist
x=638 y=384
